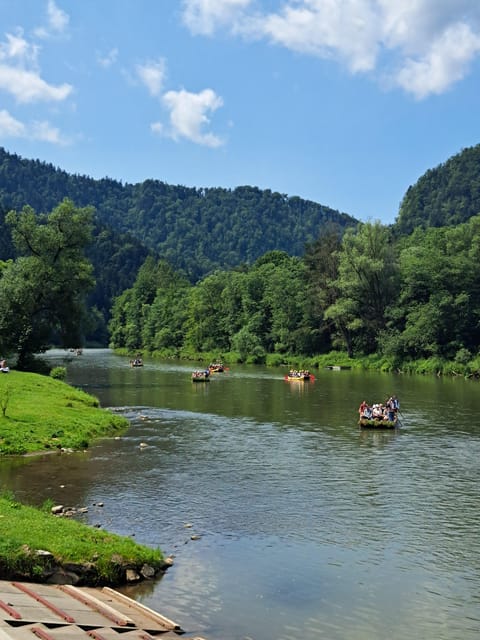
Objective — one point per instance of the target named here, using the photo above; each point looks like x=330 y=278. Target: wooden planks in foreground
x=64 y=612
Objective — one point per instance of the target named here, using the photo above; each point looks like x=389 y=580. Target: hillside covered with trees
x=403 y=293
x=395 y=293
x=196 y=230
x=416 y=299
x=444 y=196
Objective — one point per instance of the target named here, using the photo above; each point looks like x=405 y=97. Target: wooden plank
x=64 y=612
x=42 y=600
x=10 y=610
x=118 y=597
x=101 y=607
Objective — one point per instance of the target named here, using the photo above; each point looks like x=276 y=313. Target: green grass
x=25 y=529
x=39 y=413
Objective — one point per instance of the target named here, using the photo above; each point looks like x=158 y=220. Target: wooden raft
x=64 y=612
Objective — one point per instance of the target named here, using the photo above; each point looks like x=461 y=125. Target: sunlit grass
x=25 y=529
x=40 y=413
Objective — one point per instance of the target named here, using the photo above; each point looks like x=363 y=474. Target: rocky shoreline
x=86 y=573
x=42 y=566
x=38 y=565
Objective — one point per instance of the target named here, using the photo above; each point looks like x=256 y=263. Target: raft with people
x=201 y=375
x=379 y=415
x=216 y=367
x=302 y=375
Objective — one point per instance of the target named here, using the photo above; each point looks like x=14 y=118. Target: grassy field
x=39 y=413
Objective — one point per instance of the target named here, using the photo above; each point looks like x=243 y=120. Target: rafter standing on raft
x=379 y=415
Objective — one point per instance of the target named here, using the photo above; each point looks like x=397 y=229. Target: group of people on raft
x=303 y=374
x=380 y=411
x=216 y=367
x=201 y=374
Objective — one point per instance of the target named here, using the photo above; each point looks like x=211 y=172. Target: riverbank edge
x=35 y=544
x=435 y=366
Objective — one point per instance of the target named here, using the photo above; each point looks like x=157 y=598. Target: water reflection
x=309 y=527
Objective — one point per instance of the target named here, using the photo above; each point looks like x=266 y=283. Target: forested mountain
x=444 y=196
x=195 y=230
x=193 y=270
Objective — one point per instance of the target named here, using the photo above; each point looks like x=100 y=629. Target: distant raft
x=216 y=367
x=302 y=375
x=201 y=376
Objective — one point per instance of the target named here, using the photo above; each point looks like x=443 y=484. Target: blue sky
x=344 y=102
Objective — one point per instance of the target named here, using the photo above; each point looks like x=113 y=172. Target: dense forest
x=195 y=230
x=366 y=293
x=444 y=196
x=395 y=293
x=263 y=277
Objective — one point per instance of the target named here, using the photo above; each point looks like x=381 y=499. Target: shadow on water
x=286 y=520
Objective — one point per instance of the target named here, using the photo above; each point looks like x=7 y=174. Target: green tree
x=367 y=279
x=321 y=261
x=42 y=292
x=204 y=330
x=438 y=312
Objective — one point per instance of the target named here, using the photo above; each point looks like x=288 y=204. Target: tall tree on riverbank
x=43 y=290
x=366 y=284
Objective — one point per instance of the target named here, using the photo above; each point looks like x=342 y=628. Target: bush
x=59 y=373
x=432 y=366
x=463 y=356
x=275 y=360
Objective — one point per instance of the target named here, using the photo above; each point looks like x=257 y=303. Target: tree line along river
x=285 y=519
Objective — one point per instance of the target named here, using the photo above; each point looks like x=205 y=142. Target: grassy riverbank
x=39 y=413
x=92 y=555
x=466 y=366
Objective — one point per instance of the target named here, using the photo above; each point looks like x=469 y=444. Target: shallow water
x=309 y=528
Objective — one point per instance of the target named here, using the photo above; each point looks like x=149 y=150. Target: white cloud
x=45 y=132
x=18 y=50
x=445 y=63
x=188 y=116
x=57 y=22
x=409 y=42
x=205 y=16
x=153 y=75
x=28 y=86
x=108 y=59
x=345 y=29
x=20 y=75
x=57 y=18
x=10 y=127
x=158 y=128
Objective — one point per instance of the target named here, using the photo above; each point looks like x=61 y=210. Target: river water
x=304 y=526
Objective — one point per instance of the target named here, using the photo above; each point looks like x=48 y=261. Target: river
x=286 y=521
